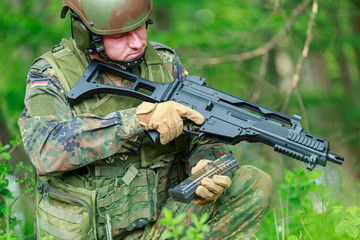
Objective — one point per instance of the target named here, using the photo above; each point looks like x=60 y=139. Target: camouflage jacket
x=62 y=141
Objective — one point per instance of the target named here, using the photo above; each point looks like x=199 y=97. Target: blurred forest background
x=291 y=56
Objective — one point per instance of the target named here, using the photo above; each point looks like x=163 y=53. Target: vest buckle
x=56 y=48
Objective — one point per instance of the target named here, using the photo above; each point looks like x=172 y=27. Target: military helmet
x=110 y=16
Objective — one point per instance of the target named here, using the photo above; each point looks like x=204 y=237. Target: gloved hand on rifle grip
x=165 y=117
x=210 y=188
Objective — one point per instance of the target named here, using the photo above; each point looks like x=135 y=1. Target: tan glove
x=210 y=188
x=165 y=118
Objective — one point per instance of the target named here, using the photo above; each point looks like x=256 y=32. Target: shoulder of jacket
x=162 y=47
x=40 y=65
x=42 y=62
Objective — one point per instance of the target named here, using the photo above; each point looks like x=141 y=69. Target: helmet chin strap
x=124 y=65
x=98 y=47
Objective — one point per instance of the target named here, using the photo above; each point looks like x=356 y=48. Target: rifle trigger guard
x=191 y=132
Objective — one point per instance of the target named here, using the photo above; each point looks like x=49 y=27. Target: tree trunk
x=356 y=27
x=344 y=74
x=18 y=154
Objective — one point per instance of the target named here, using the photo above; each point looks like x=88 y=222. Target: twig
x=259 y=25
x=282 y=220
x=260 y=81
x=15 y=200
x=260 y=51
x=277 y=4
x=14 y=147
x=276 y=225
x=306 y=231
x=303 y=110
x=305 y=51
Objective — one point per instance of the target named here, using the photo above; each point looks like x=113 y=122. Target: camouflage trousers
x=236 y=214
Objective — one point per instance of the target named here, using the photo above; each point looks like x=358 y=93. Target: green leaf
x=352 y=231
x=354 y=211
x=204 y=218
x=20 y=166
x=302 y=174
x=179 y=229
x=290 y=177
x=342 y=225
x=355 y=222
x=168 y=235
x=292 y=237
x=15 y=142
x=338 y=209
x=315 y=174
x=5 y=155
x=168 y=215
x=178 y=219
x=195 y=220
x=6 y=192
x=4 y=148
x=205 y=228
x=163 y=221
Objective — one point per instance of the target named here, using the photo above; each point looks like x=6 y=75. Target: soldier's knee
x=255 y=178
x=265 y=183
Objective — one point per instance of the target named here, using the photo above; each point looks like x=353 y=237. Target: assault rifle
x=228 y=119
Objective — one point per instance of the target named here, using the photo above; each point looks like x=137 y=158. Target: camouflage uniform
x=67 y=149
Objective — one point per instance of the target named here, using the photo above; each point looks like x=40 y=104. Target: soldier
x=98 y=175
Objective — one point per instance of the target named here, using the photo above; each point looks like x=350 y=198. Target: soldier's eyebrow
x=118 y=35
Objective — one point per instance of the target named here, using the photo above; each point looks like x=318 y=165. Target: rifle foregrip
x=185 y=191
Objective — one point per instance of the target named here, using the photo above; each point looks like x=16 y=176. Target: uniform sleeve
x=199 y=149
x=56 y=140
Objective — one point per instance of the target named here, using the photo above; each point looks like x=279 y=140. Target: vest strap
x=139 y=181
x=56 y=231
x=60 y=213
x=107 y=171
x=141 y=197
x=142 y=213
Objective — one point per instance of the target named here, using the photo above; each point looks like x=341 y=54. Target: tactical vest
x=122 y=192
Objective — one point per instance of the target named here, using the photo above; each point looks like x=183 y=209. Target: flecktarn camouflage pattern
x=97 y=169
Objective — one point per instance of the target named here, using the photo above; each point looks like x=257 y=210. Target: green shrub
x=7 y=200
x=175 y=223
x=308 y=211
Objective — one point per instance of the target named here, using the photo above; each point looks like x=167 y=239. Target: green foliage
x=350 y=221
x=177 y=229
x=27 y=29
x=6 y=196
x=206 y=29
x=308 y=211
x=28 y=178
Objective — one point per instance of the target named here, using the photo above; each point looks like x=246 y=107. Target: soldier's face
x=126 y=46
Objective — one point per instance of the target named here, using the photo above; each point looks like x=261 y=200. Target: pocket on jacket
x=130 y=206
x=62 y=215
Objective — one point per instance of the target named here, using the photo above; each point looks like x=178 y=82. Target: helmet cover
x=111 y=16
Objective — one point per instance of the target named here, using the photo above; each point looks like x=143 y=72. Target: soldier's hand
x=165 y=118
x=210 y=188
